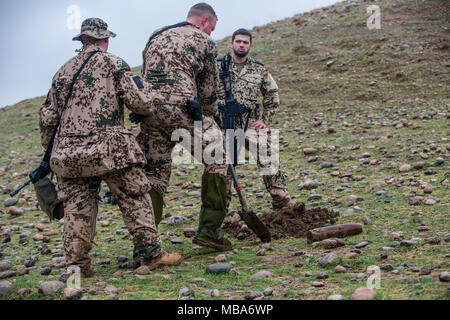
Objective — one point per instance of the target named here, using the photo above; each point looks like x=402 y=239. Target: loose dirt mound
x=288 y=223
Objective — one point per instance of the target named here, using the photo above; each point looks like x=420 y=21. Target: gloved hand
x=136 y=118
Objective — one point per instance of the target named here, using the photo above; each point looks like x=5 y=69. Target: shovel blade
x=256 y=225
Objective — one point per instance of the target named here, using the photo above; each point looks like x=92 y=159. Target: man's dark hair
x=202 y=9
x=244 y=32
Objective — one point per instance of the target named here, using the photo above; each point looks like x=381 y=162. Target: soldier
x=250 y=81
x=92 y=144
x=180 y=61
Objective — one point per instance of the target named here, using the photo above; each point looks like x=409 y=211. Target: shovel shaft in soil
x=337 y=231
x=249 y=217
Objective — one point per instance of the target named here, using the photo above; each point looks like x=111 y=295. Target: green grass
x=363 y=115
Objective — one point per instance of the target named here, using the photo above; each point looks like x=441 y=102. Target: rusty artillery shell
x=336 y=231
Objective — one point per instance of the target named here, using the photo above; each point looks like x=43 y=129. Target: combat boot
x=209 y=233
x=165 y=259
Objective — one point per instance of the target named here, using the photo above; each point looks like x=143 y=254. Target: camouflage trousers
x=273 y=177
x=79 y=195
x=155 y=139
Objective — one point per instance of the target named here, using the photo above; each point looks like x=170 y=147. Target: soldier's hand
x=259 y=125
x=136 y=118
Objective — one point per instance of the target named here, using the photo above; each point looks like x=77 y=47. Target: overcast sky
x=37 y=35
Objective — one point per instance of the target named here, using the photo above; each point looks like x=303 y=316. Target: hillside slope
x=374 y=105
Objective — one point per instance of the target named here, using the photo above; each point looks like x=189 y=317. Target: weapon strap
x=69 y=94
x=181 y=24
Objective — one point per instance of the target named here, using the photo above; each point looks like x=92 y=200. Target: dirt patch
x=288 y=223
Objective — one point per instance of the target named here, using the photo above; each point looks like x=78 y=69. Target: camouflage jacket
x=248 y=84
x=181 y=64
x=91 y=138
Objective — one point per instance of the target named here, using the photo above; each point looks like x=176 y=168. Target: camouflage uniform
x=180 y=63
x=92 y=145
x=250 y=80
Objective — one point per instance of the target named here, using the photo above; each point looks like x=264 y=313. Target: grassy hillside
x=369 y=102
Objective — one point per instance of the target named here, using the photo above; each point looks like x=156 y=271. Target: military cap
x=95 y=28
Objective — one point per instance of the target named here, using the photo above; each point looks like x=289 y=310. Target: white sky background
x=36 y=41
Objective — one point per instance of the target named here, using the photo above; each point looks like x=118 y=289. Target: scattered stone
x=51 y=287
x=405 y=168
x=408 y=243
x=350 y=200
x=176 y=220
x=10 y=202
x=326 y=165
x=219 y=268
x=23 y=292
x=424 y=271
x=111 y=290
x=363 y=293
x=367 y=221
x=215 y=293
x=72 y=294
x=122 y=259
x=351 y=255
x=189 y=232
x=340 y=269
x=423 y=228
x=317 y=284
x=444 y=276
x=177 y=241
x=14 y=211
x=5 y=287
x=261 y=275
x=322 y=275
x=46 y=271
x=335 y=297
x=309 y=151
x=362 y=244
x=7 y=274
x=327 y=259
x=186 y=292
x=220 y=258
x=268 y=291
x=253 y=295
x=261 y=252
x=5 y=265
x=143 y=270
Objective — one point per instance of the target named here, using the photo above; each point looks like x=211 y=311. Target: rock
x=111 y=290
x=253 y=295
x=219 y=268
x=444 y=276
x=10 y=202
x=261 y=252
x=350 y=200
x=220 y=258
x=215 y=293
x=261 y=275
x=322 y=275
x=427 y=189
x=38 y=237
x=51 y=287
x=351 y=255
x=7 y=274
x=113 y=296
x=439 y=161
x=326 y=165
x=308 y=184
x=23 y=292
x=327 y=259
x=5 y=287
x=268 y=291
x=5 y=265
x=424 y=271
x=348 y=212
x=363 y=293
x=189 y=232
x=340 y=269
x=367 y=221
x=177 y=241
x=361 y=244
x=176 y=220
x=14 y=211
x=317 y=284
x=186 y=292
x=46 y=271
x=122 y=259
x=307 y=151
x=313 y=197
x=408 y=243
x=143 y=270
x=423 y=228
x=72 y=294
x=405 y=168
x=335 y=297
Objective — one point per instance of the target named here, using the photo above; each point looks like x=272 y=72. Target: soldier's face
x=208 y=25
x=241 y=45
